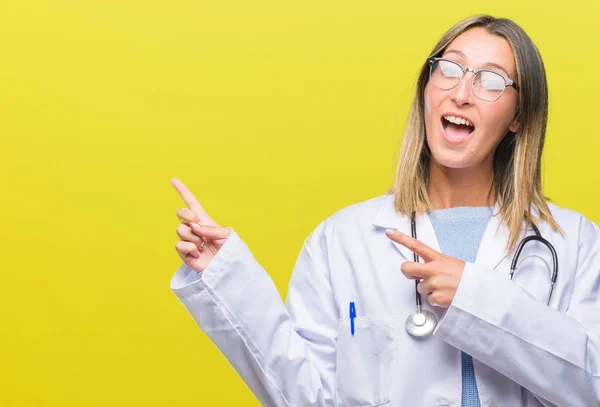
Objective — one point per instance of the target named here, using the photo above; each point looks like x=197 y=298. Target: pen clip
x=352 y=316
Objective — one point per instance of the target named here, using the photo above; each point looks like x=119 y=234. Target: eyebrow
x=492 y=64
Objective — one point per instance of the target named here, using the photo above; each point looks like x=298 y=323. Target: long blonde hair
x=517 y=159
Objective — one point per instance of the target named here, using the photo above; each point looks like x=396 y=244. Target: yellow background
x=275 y=114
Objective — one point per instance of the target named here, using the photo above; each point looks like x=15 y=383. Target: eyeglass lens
x=487 y=85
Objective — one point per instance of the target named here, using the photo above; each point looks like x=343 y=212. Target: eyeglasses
x=487 y=85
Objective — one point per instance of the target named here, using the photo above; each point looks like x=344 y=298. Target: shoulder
x=564 y=215
x=357 y=217
x=360 y=211
x=574 y=223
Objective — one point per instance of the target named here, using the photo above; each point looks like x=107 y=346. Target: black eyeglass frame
x=507 y=81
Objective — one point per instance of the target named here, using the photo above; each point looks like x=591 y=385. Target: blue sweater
x=459 y=232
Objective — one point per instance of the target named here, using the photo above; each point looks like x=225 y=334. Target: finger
x=432 y=298
x=190 y=200
x=414 y=270
x=185 y=233
x=424 y=287
x=211 y=232
x=186 y=215
x=186 y=249
x=414 y=245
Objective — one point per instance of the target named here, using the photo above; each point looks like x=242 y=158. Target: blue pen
x=352 y=316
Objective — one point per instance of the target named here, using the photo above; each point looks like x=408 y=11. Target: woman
x=470 y=171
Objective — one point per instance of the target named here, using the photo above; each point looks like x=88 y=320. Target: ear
x=514 y=125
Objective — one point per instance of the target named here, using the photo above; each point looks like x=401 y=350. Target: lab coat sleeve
x=286 y=355
x=553 y=354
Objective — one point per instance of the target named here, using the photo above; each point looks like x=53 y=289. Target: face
x=471 y=147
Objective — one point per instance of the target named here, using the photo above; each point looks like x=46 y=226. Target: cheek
x=499 y=118
x=431 y=101
x=501 y=113
x=427 y=104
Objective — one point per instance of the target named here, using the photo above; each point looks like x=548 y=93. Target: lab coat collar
x=388 y=218
x=492 y=249
x=493 y=244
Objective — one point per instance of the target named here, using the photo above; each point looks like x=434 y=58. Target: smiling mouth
x=456 y=130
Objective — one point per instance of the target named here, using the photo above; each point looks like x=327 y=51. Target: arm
x=553 y=354
x=285 y=355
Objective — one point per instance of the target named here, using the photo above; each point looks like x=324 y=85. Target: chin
x=453 y=159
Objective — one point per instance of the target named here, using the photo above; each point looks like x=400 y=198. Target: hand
x=440 y=274
x=201 y=237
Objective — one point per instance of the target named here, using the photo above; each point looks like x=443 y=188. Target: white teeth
x=458 y=120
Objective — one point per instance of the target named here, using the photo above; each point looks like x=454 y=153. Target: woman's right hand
x=201 y=237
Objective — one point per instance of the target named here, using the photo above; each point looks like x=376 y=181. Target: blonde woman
x=354 y=331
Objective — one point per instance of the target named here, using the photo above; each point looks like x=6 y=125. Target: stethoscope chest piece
x=420 y=323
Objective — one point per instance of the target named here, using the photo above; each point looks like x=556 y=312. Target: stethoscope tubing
x=415 y=330
x=537 y=238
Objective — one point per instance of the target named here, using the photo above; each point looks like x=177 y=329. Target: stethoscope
x=422 y=322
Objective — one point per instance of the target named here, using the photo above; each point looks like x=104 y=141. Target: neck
x=451 y=187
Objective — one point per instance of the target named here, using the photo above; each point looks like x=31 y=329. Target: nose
x=461 y=94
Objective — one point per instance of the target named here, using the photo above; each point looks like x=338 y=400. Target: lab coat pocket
x=365 y=361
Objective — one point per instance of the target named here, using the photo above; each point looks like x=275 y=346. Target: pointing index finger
x=190 y=200
x=414 y=245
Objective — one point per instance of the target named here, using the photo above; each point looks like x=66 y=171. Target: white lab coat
x=303 y=354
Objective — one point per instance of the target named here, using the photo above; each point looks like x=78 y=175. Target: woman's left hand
x=440 y=274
